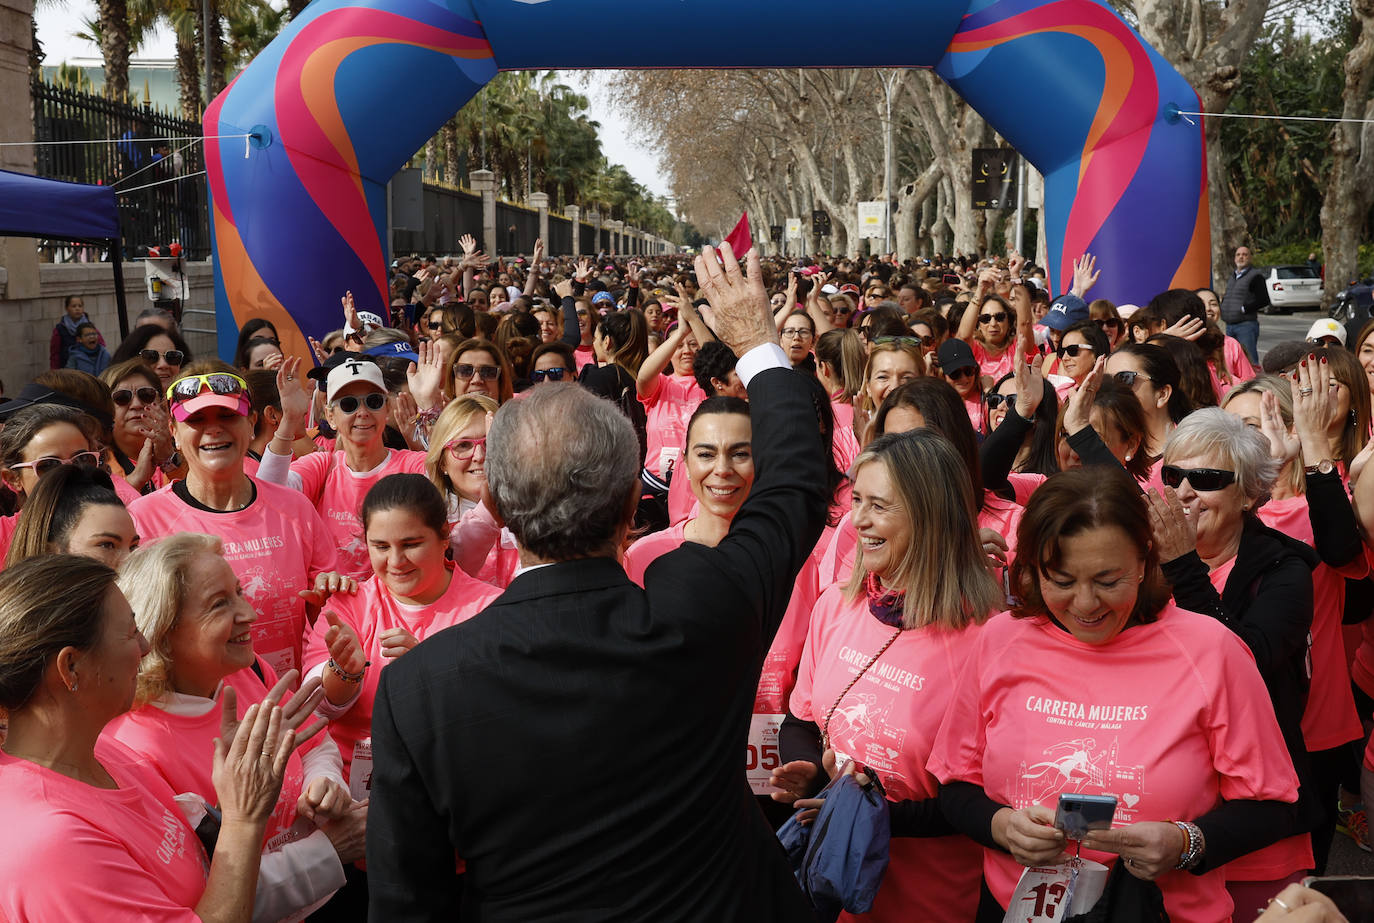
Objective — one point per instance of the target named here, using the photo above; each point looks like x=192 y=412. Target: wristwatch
x=1325 y=466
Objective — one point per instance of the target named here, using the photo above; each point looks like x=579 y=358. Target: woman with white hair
x=1224 y=562
x=190 y=606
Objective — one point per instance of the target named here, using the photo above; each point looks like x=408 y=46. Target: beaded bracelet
x=1192 y=853
x=345 y=676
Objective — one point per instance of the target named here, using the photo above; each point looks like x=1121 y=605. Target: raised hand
x=1015 y=263
x=326 y=585
x=743 y=317
x=344 y=647
x=295 y=405
x=143 y=468
x=1077 y=415
x=295 y=713
x=426 y=377
x=1174 y=533
x=351 y=313
x=538 y=253
x=1187 y=328
x=584 y=270
x=1030 y=385
x=317 y=348
x=468 y=243
x=1284 y=444
x=1085 y=274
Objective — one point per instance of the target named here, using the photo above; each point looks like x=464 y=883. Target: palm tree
x=115 y=45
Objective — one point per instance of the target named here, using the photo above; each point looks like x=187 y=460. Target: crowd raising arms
x=997 y=442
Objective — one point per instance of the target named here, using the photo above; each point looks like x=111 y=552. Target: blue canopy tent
x=31 y=206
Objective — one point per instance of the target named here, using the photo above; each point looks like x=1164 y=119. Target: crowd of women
x=1076 y=550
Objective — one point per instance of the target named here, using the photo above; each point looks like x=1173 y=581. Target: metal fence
x=161 y=200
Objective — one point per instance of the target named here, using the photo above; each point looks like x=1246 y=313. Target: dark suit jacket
x=581 y=742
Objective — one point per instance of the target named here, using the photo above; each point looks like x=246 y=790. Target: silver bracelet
x=1192 y=853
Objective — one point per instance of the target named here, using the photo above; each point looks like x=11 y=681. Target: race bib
x=762 y=756
x=667 y=458
x=1049 y=894
x=360 y=773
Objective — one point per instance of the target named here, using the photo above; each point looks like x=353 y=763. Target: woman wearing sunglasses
x=456 y=465
x=357 y=407
x=1079 y=348
x=1153 y=376
x=479 y=367
x=140 y=418
x=164 y=351
x=552 y=362
x=1103 y=313
x=989 y=328
x=38 y=440
x=273 y=538
x=1224 y=562
x=1311 y=504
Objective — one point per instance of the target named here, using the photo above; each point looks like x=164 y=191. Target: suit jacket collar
x=577 y=576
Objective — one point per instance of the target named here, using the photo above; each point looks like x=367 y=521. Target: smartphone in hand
x=1077 y=814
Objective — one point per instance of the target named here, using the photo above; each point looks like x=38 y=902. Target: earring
x=1129 y=455
x=72 y=687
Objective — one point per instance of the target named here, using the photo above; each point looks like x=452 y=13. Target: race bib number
x=762 y=756
x=667 y=459
x=360 y=773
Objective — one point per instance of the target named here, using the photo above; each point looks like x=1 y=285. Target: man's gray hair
x=562 y=466
x=1212 y=429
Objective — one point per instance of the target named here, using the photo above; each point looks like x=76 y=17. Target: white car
x=1293 y=287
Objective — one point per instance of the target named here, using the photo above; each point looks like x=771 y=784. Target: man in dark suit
x=581 y=743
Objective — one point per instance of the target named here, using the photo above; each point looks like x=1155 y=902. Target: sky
x=57 y=22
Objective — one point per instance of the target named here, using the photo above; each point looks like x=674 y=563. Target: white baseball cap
x=367 y=319
x=1326 y=327
x=351 y=370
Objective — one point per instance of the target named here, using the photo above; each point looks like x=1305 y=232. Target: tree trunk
x=1348 y=192
x=216 y=66
x=114 y=47
x=188 y=77
x=911 y=200
x=450 y=132
x=296 y=7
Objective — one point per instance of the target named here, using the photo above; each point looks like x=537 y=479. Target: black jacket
x=581 y=742
x=1267 y=602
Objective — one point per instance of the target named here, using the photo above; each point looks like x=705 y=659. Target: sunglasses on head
x=1074 y=349
x=42 y=466
x=1127 y=377
x=173 y=356
x=999 y=318
x=1199 y=478
x=487 y=372
x=124 y=396
x=900 y=341
x=554 y=374
x=374 y=402
x=464 y=447
x=183 y=389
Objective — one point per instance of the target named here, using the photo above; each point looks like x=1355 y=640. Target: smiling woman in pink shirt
x=91 y=832
x=882 y=657
x=191 y=608
x=414 y=593
x=1095 y=683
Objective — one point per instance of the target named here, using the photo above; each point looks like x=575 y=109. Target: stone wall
x=28 y=322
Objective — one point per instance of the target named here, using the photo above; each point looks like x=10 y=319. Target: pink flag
x=740 y=239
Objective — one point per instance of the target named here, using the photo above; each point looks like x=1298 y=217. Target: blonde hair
x=943 y=573
x=909 y=345
x=455 y=418
x=1278 y=386
x=155 y=580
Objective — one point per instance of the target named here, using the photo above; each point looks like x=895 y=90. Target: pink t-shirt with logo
x=373 y=610
x=181 y=749
x=888 y=722
x=1162 y=716
x=668 y=408
x=993 y=367
x=276 y=546
x=1330 y=718
x=76 y=852
x=338 y=492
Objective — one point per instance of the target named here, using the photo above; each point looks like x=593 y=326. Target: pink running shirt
x=888 y=722
x=276 y=546
x=1161 y=716
x=76 y=852
x=668 y=409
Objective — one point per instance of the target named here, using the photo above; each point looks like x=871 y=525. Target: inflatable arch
x=352 y=88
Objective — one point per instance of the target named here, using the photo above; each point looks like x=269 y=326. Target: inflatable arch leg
x=352 y=88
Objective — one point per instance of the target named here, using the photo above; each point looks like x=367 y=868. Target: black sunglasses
x=374 y=402
x=999 y=318
x=434 y=325
x=996 y=400
x=1199 y=478
x=124 y=397
x=487 y=372
x=1127 y=377
x=173 y=356
x=1104 y=322
x=1073 y=350
x=955 y=375
x=555 y=374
